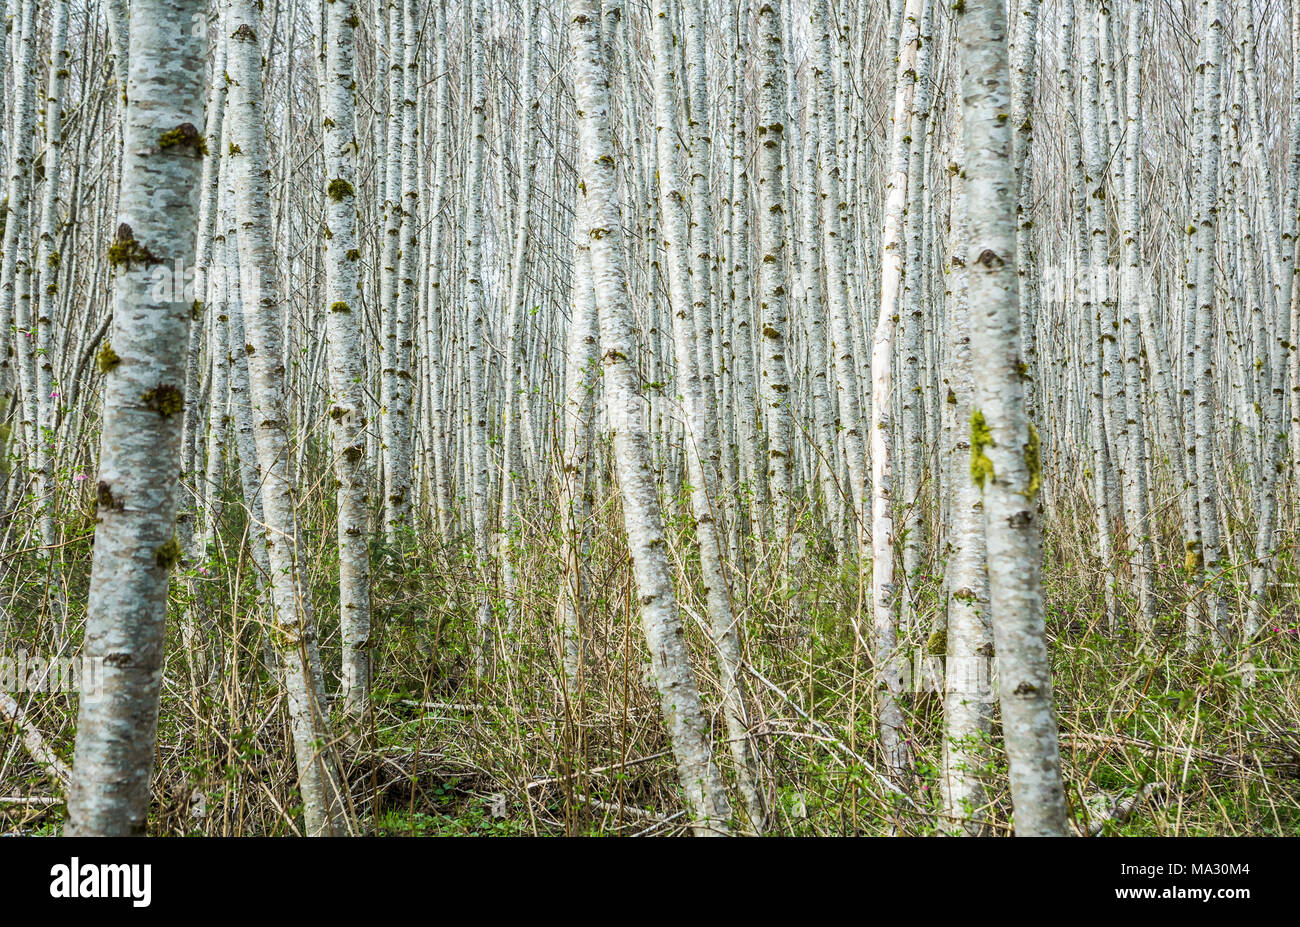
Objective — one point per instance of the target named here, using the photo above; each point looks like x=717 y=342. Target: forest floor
x=1155 y=741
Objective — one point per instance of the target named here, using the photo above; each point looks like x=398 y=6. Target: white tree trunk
x=883 y=592
x=347 y=411
x=967 y=694
x=694 y=399
x=144 y=368
x=1004 y=444
x=294 y=632
x=665 y=638
x=774 y=297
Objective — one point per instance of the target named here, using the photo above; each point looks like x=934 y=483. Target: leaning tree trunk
x=625 y=404
x=699 y=438
x=294 y=632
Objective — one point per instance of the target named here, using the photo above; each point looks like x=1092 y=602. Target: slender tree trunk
x=512 y=466
x=439 y=268
x=1207 y=491
x=1135 y=289
x=581 y=384
x=683 y=713
x=294 y=632
x=967 y=695
x=1005 y=447
x=699 y=440
x=343 y=317
x=14 y=265
x=47 y=267
x=837 y=288
x=476 y=348
x=890 y=665
x=774 y=376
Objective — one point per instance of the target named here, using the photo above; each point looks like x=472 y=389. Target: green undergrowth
x=453 y=751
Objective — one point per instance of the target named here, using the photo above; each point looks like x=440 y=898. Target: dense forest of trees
x=801 y=417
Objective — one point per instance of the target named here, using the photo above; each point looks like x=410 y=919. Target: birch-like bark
x=206 y=266
x=475 y=313
x=703 y=246
x=814 y=323
x=119 y=40
x=575 y=501
x=389 y=167
x=516 y=350
x=774 y=377
x=1281 y=255
x=435 y=310
x=342 y=296
x=1096 y=285
x=47 y=267
x=198 y=519
x=14 y=264
x=1291 y=215
x=1207 y=491
x=397 y=385
x=1140 y=550
x=1004 y=444
x=691 y=390
x=967 y=694
x=1023 y=70
x=219 y=419
x=837 y=289
x=294 y=632
x=747 y=408
x=625 y=407
x=241 y=412
x=912 y=318
x=892 y=669
x=144 y=368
